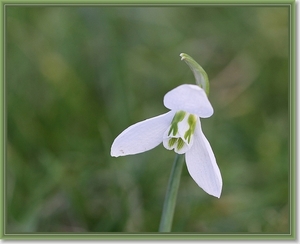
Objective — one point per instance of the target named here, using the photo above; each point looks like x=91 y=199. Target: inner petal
x=178 y=144
x=180 y=134
x=186 y=128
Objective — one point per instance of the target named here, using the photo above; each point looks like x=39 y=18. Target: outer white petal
x=202 y=166
x=189 y=98
x=141 y=136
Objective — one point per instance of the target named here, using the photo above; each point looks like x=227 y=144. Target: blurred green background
x=78 y=76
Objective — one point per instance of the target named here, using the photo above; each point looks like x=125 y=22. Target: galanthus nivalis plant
x=179 y=130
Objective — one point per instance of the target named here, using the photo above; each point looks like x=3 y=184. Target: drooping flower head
x=178 y=130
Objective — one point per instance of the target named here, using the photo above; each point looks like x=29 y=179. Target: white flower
x=178 y=129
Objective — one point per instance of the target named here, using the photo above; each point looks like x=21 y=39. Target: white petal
x=189 y=98
x=202 y=166
x=141 y=136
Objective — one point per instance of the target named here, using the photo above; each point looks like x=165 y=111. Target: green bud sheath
x=199 y=73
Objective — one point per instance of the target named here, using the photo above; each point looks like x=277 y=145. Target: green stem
x=171 y=195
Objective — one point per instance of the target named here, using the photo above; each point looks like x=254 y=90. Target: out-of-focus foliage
x=77 y=76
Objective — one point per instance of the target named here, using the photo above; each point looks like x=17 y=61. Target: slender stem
x=171 y=195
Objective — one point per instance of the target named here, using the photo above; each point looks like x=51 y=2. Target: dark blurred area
x=78 y=76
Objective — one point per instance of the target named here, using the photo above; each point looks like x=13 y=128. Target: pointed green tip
x=199 y=73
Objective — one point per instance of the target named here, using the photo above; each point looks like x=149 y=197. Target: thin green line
x=150 y=2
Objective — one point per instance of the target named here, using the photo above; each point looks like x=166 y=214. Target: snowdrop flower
x=178 y=130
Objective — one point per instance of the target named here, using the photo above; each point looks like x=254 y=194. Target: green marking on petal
x=179 y=116
x=172 y=141
x=192 y=120
x=180 y=144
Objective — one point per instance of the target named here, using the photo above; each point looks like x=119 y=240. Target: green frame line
x=151 y=2
x=158 y=236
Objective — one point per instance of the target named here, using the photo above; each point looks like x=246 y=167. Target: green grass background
x=77 y=76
